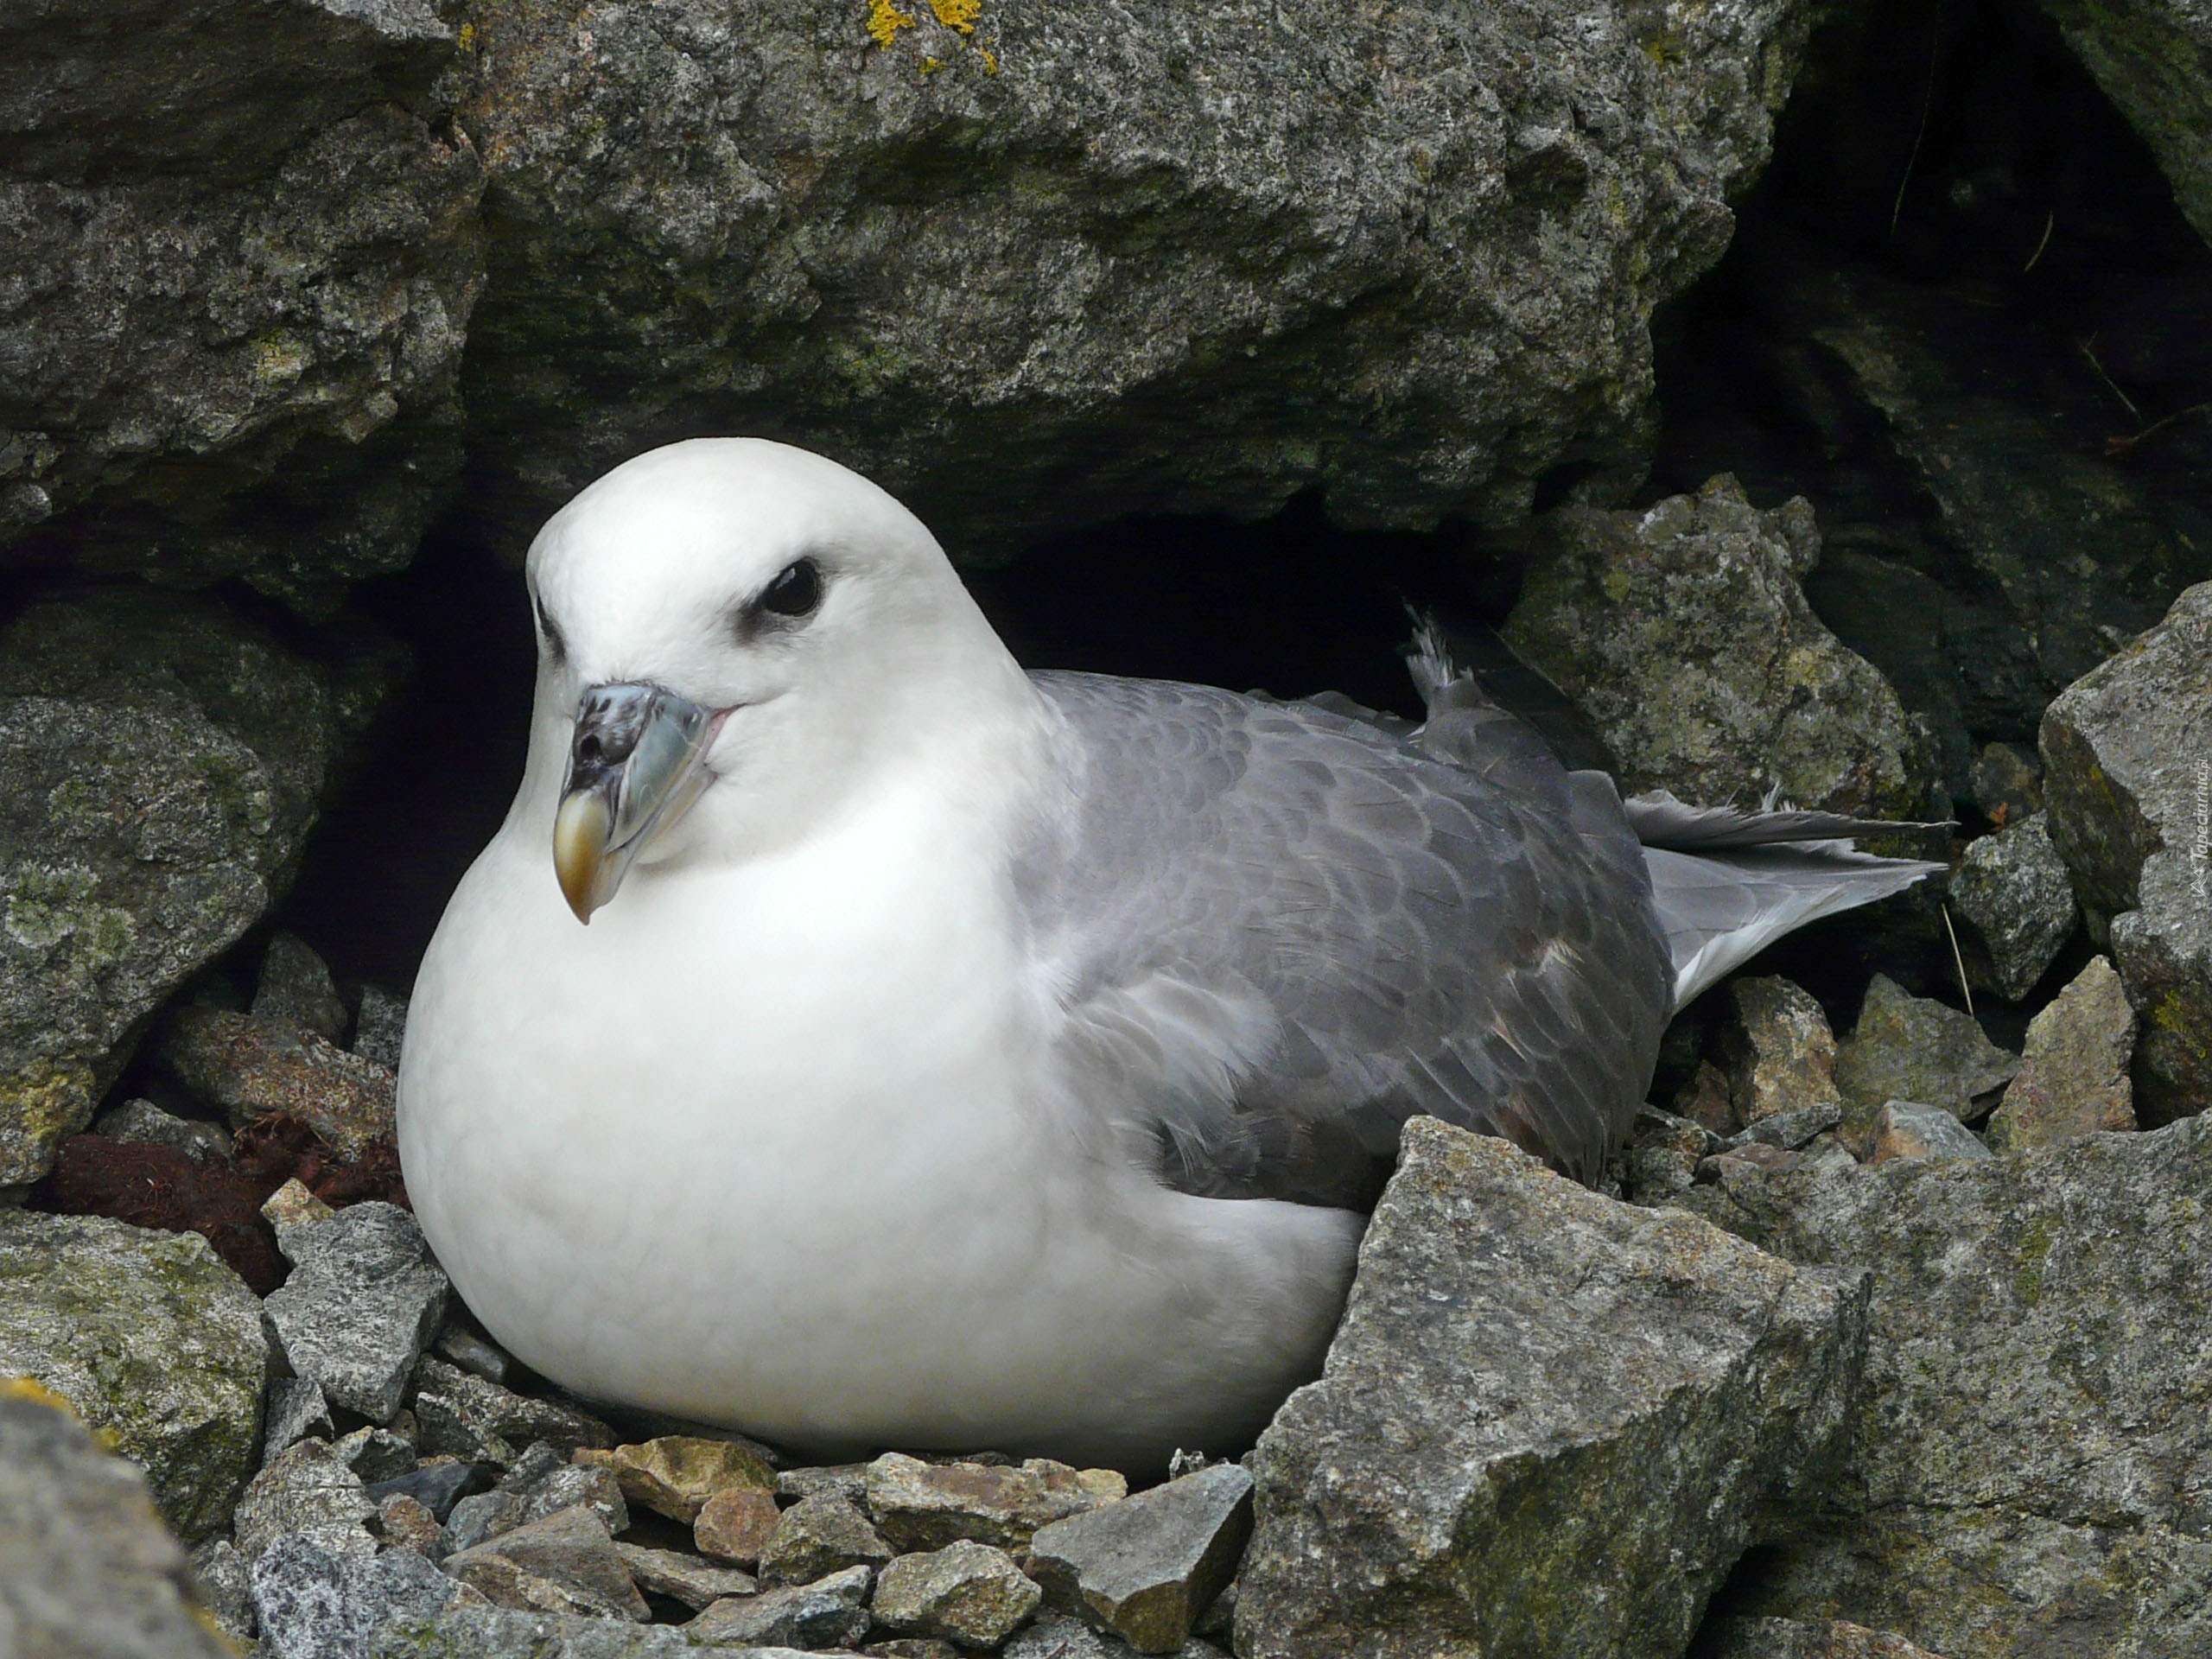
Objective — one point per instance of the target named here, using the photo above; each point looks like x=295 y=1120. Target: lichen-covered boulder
x=2029 y=1444
x=150 y=1337
x=2127 y=757
x=160 y=761
x=1032 y=267
x=1546 y=1425
x=242 y=240
x=85 y=1566
x=1683 y=631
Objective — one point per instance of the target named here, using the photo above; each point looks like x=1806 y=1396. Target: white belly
x=771 y=1147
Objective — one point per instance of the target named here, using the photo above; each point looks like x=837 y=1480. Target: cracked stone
x=361 y=1305
x=966 y=1592
x=1147 y=1567
x=305 y=1490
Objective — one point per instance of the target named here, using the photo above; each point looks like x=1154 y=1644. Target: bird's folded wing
x=1276 y=933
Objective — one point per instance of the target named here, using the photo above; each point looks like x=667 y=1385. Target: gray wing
x=1279 y=931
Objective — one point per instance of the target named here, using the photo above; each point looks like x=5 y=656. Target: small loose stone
x=1904 y=1129
x=814 y=1538
x=966 y=1592
x=676 y=1475
x=1146 y=1568
x=696 y=1583
x=736 y=1525
x=827 y=1613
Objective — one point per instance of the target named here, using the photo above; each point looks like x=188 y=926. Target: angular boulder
x=2028 y=1447
x=2128 y=752
x=2011 y=894
x=965 y=1593
x=2073 y=1076
x=1405 y=255
x=160 y=761
x=86 y=1565
x=1146 y=1567
x=1914 y=1048
x=1548 y=1424
x=244 y=245
x=363 y=1300
x=1683 y=631
x=150 y=1338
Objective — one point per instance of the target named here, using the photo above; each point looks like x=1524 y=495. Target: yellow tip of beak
x=580 y=833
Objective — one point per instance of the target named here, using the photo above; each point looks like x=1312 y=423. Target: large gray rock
x=1547 y=1423
x=244 y=239
x=2153 y=58
x=2016 y=907
x=85 y=1566
x=1193 y=258
x=1146 y=1568
x=1683 y=631
x=150 y=1337
x=2029 y=1441
x=363 y=1300
x=1908 y=1047
x=827 y=1613
x=966 y=1592
x=2073 y=1077
x=160 y=763
x=2128 y=752
x=313 y=1604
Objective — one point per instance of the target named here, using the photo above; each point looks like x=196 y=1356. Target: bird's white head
x=732 y=635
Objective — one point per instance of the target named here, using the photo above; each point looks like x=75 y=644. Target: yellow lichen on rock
x=886 y=20
x=958 y=14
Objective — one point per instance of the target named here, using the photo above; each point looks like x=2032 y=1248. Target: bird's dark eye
x=796 y=591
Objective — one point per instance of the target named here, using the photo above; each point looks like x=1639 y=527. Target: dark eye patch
x=556 y=646
x=796 y=591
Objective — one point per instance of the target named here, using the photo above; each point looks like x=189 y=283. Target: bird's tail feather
x=1728 y=883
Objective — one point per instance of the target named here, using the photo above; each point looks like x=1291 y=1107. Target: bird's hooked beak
x=636 y=763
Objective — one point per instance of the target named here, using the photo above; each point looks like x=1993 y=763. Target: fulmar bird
x=958 y=1057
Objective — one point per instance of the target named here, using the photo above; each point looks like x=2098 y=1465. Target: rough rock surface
x=296 y=989
x=740 y=1523
x=243 y=239
x=569 y=1551
x=1054 y=1637
x=920 y=1506
x=470 y=1417
x=1683 y=631
x=1905 y=1129
x=251 y=1067
x=2010 y=891
x=85 y=1566
x=681 y=1576
x=306 y=1491
x=2153 y=58
x=1146 y=1567
x=140 y=1123
x=2128 y=751
x=965 y=1593
x=827 y=1613
x=310 y=1603
x=541 y=1484
x=677 y=1474
x=1908 y=1047
x=363 y=1300
x=502 y=1633
x=1546 y=1425
x=1779 y=1053
x=2073 y=1076
x=220 y=738
x=2030 y=1441
x=1789 y=1638
x=1405 y=255
x=150 y=1337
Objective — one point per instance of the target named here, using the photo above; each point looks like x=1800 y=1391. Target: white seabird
x=959 y=1058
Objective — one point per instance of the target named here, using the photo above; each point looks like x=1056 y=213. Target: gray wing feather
x=1279 y=931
